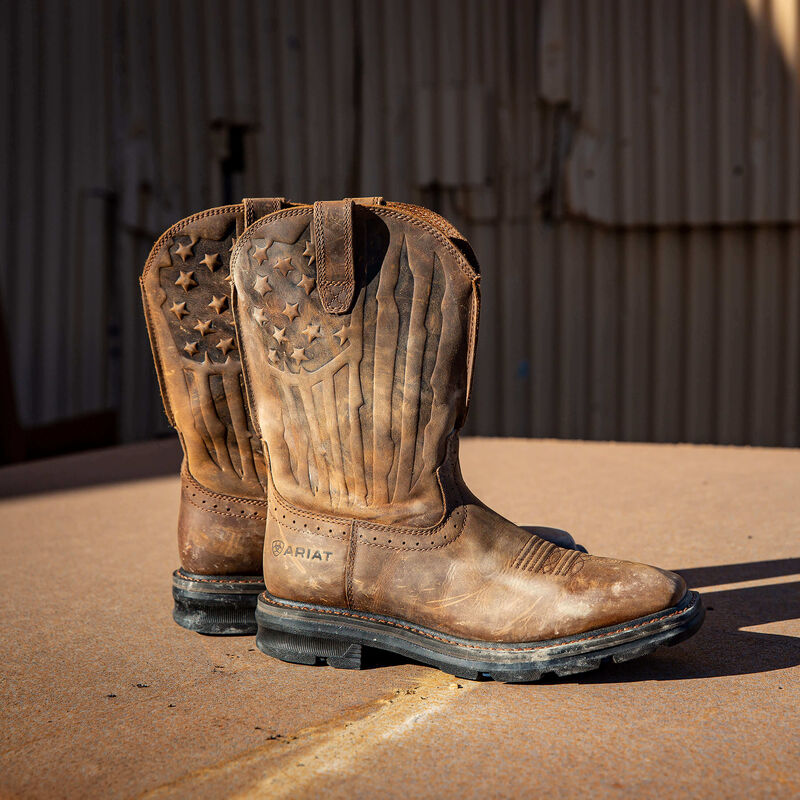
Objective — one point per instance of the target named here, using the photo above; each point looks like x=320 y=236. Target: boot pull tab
x=333 y=249
x=368 y=201
x=257 y=207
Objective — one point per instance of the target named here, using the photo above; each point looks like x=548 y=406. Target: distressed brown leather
x=359 y=405
x=186 y=296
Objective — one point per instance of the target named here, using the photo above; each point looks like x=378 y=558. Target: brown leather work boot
x=186 y=295
x=223 y=509
x=358 y=327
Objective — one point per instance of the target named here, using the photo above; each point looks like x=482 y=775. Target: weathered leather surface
x=360 y=405
x=219 y=534
x=186 y=295
x=355 y=407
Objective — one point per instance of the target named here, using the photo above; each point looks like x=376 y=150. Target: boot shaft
x=359 y=325
x=186 y=294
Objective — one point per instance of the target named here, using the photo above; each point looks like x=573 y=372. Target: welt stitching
x=220 y=580
x=448 y=640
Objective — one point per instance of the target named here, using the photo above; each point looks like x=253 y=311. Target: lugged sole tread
x=215 y=605
x=341 y=652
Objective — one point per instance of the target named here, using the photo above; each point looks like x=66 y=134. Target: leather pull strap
x=368 y=201
x=333 y=249
x=257 y=207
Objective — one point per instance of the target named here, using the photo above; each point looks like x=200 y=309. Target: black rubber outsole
x=216 y=605
x=315 y=635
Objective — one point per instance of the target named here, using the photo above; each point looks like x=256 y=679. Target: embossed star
x=260 y=254
x=284 y=266
x=203 y=327
x=211 y=260
x=298 y=355
x=291 y=311
x=186 y=280
x=274 y=356
x=218 y=303
x=179 y=310
x=278 y=334
x=226 y=345
x=260 y=317
x=190 y=349
x=184 y=251
x=307 y=282
x=343 y=334
x=309 y=252
x=262 y=285
x=312 y=332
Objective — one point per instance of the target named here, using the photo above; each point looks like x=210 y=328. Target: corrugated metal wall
x=628 y=173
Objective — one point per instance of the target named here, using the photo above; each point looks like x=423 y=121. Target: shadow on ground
x=720 y=647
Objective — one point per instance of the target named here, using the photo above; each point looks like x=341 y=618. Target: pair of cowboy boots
x=317 y=363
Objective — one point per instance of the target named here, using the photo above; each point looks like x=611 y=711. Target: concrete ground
x=104 y=696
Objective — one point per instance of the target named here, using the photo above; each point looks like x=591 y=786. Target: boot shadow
x=720 y=648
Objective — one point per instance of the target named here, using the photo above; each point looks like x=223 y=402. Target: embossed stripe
x=386 y=332
x=332 y=416
x=422 y=270
x=442 y=415
x=319 y=444
x=190 y=378
x=356 y=400
x=297 y=450
x=204 y=409
x=231 y=384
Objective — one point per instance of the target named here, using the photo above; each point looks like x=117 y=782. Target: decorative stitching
x=277 y=499
x=178 y=227
x=411 y=532
x=448 y=640
x=251 y=515
x=340 y=536
x=228 y=497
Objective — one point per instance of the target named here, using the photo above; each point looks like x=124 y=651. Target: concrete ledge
x=104 y=696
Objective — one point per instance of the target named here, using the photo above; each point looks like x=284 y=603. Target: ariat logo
x=279 y=548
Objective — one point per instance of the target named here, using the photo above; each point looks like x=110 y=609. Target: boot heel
x=312 y=650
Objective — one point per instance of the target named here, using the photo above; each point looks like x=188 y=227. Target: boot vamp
x=493 y=581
